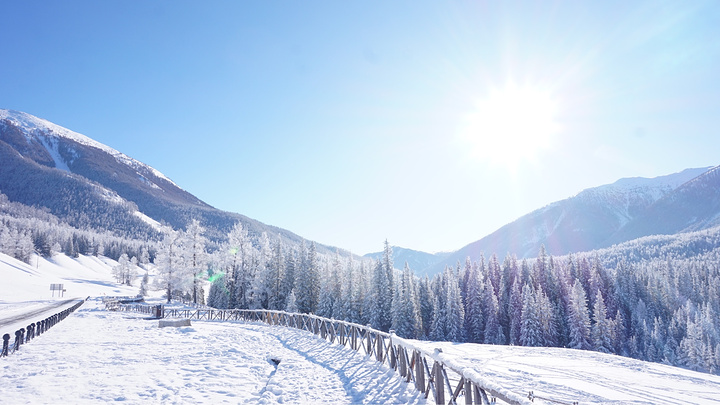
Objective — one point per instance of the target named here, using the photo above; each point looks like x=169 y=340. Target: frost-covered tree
x=602 y=329
x=144 y=285
x=195 y=257
x=515 y=313
x=380 y=299
x=291 y=305
x=238 y=258
x=406 y=318
x=218 y=296
x=530 y=328
x=307 y=280
x=493 y=330
x=578 y=318
x=171 y=271
x=276 y=278
x=474 y=318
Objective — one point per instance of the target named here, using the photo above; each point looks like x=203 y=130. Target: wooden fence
x=24 y=335
x=431 y=373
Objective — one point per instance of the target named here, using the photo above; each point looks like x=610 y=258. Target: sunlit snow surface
x=97 y=356
x=587 y=377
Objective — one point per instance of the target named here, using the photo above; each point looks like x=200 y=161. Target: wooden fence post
x=419 y=372
x=379 y=348
x=468 y=392
x=439 y=384
x=6 y=344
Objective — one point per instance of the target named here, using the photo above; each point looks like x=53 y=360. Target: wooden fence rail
x=24 y=335
x=433 y=374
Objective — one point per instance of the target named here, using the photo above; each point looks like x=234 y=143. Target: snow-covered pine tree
x=548 y=321
x=426 y=299
x=578 y=318
x=261 y=284
x=380 y=302
x=455 y=313
x=307 y=282
x=276 y=277
x=291 y=305
x=351 y=304
x=493 y=333
x=474 y=318
x=406 y=319
x=218 y=296
x=530 y=328
x=238 y=260
x=144 y=285
x=515 y=313
x=602 y=330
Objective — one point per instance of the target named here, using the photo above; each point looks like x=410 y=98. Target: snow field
x=568 y=375
x=97 y=356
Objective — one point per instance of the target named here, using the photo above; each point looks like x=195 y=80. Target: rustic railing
x=24 y=335
x=430 y=373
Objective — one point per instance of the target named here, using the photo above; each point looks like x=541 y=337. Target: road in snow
x=19 y=315
x=96 y=356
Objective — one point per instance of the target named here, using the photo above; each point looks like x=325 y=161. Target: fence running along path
x=24 y=335
x=430 y=373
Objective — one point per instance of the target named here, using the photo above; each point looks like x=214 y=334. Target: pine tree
x=307 y=288
x=144 y=285
x=291 y=305
x=578 y=318
x=530 y=329
x=276 y=278
x=493 y=331
x=426 y=299
x=238 y=260
x=515 y=313
x=218 y=296
x=474 y=318
x=602 y=328
x=454 y=325
x=381 y=299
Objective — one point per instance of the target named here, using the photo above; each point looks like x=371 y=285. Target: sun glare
x=511 y=126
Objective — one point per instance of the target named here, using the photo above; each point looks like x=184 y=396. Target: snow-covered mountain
x=91 y=185
x=415 y=259
x=599 y=217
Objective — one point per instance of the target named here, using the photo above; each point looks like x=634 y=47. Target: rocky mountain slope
x=89 y=184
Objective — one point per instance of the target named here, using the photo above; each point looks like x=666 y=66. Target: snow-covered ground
x=567 y=375
x=96 y=356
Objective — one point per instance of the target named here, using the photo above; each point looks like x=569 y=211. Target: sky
x=427 y=124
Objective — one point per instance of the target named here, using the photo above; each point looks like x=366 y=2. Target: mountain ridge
x=594 y=218
x=91 y=184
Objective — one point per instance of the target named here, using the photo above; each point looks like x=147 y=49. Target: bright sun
x=511 y=126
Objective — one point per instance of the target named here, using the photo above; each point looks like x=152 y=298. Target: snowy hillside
x=46 y=130
x=90 y=185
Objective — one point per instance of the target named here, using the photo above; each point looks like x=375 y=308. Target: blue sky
x=430 y=124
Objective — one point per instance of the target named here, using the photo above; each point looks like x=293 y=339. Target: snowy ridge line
x=427 y=371
x=23 y=336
